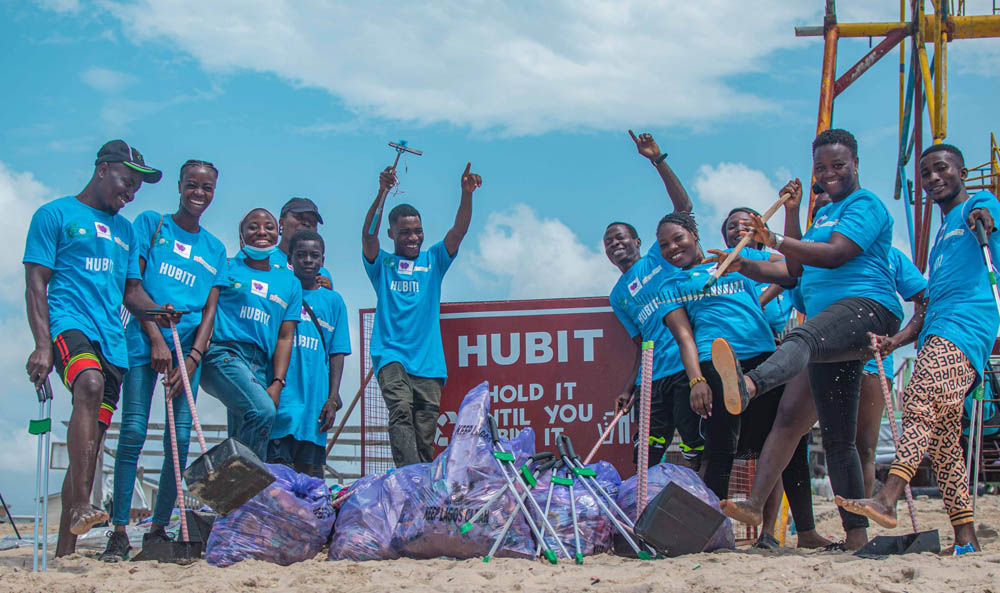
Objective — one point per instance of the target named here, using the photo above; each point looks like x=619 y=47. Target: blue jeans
x=237 y=374
x=137 y=396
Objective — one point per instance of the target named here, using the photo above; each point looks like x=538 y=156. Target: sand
x=786 y=570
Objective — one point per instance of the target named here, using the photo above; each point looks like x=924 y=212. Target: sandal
x=840 y=546
x=734 y=388
x=766 y=542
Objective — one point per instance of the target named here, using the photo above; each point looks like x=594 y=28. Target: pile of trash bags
x=658 y=477
x=287 y=522
x=416 y=511
x=426 y=510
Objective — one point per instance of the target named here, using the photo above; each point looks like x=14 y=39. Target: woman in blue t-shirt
x=259 y=307
x=696 y=317
x=842 y=266
x=184 y=264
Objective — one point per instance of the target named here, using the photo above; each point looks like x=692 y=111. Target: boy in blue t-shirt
x=81 y=264
x=406 y=350
x=311 y=397
x=958 y=332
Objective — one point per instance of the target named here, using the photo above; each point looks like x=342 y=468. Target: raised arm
x=650 y=150
x=470 y=182
x=36 y=299
x=369 y=240
x=774 y=270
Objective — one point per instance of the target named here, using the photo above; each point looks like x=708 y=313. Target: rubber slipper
x=734 y=389
x=766 y=542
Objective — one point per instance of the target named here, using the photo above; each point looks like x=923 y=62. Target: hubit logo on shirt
x=182 y=250
x=103 y=231
x=258 y=288
x=634 y=287
x=405 y=267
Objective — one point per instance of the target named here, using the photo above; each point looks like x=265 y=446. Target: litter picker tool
x=10 y=517
x=400 y=148
x=530 y=478
x=470 y=523
x=43 y=428
x=227 y=475
x=504 y=461
x=645 y=393
x=588 y=477
x=976 y=419
x=892 y=423
x=568 y=482
x=721 y=269
x=604 y=435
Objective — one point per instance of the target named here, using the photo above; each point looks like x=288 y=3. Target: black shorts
x=670 y=409
x=290 y=450
x=76 y=353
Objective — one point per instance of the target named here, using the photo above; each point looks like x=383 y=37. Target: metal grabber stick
x=469 y=524
x=400 y=148
x=604 y=500
x=503 y=459
x=43 y=428
x=892 y=424
x=976 y=420
x=530 y=478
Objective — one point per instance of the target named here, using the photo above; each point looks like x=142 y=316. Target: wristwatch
x=778 y=240
x=279 y=380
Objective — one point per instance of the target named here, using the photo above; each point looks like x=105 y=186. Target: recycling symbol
x=440 y=436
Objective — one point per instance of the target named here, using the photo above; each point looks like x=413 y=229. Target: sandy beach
x=787 y=570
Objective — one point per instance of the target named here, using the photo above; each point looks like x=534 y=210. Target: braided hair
x=682 y=219
x=197 y=163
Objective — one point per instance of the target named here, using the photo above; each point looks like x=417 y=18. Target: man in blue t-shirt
x=958 y=332
x=406 y=350
x=81 y=264
x=635 y=301
x=311 y=397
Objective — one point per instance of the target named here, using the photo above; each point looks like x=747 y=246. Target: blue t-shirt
x=862 y=218
x=90 y=253
x=778 y=309
x=730 y=310
x=908 y=282
x=279 y=259
x=181 y=269
x=308 y=380
x=253 y=304
x=960 y=306
x=407 y=326
x=635 y=299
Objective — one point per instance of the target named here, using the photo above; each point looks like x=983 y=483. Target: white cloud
x=534 y=257
x=510 y=67
x=722 y=187
x=106 y=80
x=20 y=195
x=72 y=6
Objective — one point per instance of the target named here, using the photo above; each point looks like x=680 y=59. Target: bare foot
x=741 y=511
x=872 y=508
x=84 y=517
x=812 y=539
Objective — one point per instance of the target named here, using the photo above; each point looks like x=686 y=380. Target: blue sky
x=300 y=98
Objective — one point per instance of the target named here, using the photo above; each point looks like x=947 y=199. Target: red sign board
x=555 y=365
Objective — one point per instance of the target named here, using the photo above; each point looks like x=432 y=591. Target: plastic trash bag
x=287 y=522
x=658 y=478
x=594 y=526
x=416 y=511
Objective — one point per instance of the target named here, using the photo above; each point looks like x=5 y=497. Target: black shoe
x=117 y=549
x=766 y=542
x=159 y=536
x=734 y=389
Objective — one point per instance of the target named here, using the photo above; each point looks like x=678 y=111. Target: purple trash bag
x=416 y=510
x=287 y=522
x=658 y=478
x=594 y=526
x=458 y=483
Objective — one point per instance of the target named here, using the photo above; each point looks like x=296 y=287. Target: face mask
x=258 y=252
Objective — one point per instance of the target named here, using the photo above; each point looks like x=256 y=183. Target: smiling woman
x=185 y=265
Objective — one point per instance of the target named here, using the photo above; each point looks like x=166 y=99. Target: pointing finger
x=467 y=167
x=632 y=134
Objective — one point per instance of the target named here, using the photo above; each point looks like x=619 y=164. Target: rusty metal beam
x=957 y=27
x=873 y=56
x=826 y=94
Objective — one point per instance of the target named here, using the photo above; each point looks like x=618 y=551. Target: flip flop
x=766 y=542
x=840 y=546
x=734 y=389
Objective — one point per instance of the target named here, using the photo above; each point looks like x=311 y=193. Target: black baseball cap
x=299 y=205
x=118 y=151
